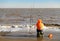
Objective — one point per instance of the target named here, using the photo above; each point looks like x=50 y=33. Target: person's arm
x=42 y=26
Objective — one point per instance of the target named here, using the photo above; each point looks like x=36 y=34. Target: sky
x=29 y=3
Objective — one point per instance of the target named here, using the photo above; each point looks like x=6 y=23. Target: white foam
x=26 y=28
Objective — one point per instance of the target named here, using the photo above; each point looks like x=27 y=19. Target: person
x=40 y=27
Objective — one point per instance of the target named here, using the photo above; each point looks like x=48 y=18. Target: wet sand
x=16 y=39
x=18 y=36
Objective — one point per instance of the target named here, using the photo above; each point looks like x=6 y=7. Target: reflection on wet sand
x=21 y=39
x=17 y=39
x=39 y=38
x=3 y=33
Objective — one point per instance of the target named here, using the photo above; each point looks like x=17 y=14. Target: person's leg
x=38 y=33
x=41 y=32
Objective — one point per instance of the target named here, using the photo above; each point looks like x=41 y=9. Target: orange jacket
x=40 y=25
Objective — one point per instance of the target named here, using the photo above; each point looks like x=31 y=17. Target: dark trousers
x=39 y=33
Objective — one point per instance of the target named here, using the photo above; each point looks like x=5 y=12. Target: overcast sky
x=29 y=3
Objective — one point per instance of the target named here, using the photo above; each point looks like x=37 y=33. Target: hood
x=39 y=21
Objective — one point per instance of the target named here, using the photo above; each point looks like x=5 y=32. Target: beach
x=31 y=36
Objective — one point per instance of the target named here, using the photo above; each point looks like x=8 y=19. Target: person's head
x=39 y=20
